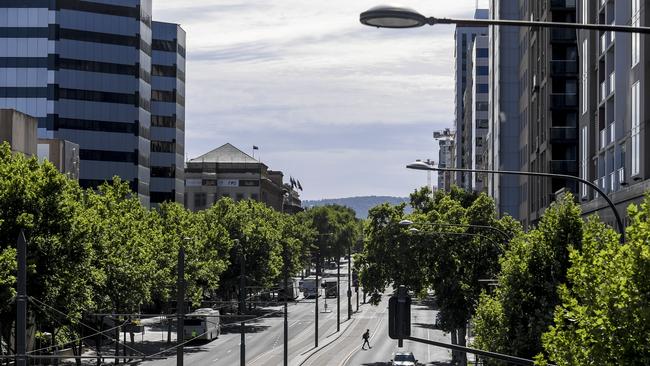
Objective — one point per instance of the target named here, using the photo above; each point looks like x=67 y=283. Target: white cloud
x=262 y=71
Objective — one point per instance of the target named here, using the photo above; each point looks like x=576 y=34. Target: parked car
x=403 y=359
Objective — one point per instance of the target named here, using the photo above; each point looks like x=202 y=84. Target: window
x=163 y=146
x=636 y=37
x=163 y=121
x=200 y=200
x=482 y=52
x=482 y=70
x=482 y=88
x=636 y=129
x=585 y=76
x=481 y=106
x=584 y=164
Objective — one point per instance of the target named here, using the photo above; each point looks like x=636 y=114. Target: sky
x=340 y=106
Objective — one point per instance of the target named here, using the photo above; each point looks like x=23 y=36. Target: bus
x=203 y=323
x=292 y=294
x=329 y=284
x=308 y=287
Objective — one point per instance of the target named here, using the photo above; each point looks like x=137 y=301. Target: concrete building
x=502 y=150
x=548 y=104
x=613 y=117
x=19 y=130
x=83 y=69
x=167 y=113
x=480 y=110
x=229 y=172
x=464 y=38
x=63 y=154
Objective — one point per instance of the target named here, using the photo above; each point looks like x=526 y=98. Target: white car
x=403 y=359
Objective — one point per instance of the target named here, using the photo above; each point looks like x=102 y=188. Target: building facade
x=614 y=74
x=84 y=70
x=480 y=110
x=167 y=113
x=229 y=172
x=548 y=104
x=463 y=39
x=446 y=151
x=502 y=150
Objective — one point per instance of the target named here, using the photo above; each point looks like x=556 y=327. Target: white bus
x=330 y=286
x=203 y=323
x=309 y=287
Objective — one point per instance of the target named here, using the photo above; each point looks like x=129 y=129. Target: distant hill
x=360 y=205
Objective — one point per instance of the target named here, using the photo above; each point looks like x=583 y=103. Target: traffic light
x=399 y=315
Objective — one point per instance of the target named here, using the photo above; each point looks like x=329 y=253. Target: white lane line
x=356 y=349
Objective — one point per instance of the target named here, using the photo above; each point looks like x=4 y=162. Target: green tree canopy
x=604 y=315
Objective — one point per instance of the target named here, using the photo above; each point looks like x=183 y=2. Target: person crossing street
x=366 y=337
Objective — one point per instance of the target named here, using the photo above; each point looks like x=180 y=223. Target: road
x=264 y=338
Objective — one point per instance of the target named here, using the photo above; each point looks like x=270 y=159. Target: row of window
x=163 y=146
x=163 y=172
x=168 y=46
x=94 y=183
x=167 y=71
x=167 y=122
x=160 y=197
x=166 y=96
x=86 y=6
x=113 y=156
x=92 y=125
x=54 y=32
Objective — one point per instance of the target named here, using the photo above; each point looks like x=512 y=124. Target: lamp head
x=406 y=223
x=392 y=16
x=420 y=165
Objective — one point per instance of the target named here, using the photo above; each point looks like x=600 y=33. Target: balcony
x=568 y=167
x=564 y=67
x=564 y=135
x=564 y=100
x=563 y=4
x=563 y=35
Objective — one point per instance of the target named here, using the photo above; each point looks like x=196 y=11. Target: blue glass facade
x=84 y=69
x=168 y=113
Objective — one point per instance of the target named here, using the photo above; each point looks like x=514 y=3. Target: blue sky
x=340 y=106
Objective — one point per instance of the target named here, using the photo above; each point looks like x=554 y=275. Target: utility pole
x=21 y=302
x=180 y=306
x=338 y=292
x=242 y=346
x=316 y=301
x=349 y=281
x=286 y=304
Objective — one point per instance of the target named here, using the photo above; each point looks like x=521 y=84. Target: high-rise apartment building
x=446 y=152
x=83 y=69
x=613 y=117
x=548 y=104
x=464 y=38
x=167 y=113
x=502 y=151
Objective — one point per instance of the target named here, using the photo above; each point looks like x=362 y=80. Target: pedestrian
x=366 y=337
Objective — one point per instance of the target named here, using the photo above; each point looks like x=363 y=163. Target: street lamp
x=418 y=165
x=386 y=16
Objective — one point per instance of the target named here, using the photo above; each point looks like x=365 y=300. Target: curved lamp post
x=418 y=165
x=387 y=16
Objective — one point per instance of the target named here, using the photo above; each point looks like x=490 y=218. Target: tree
x=36 y=198
x=446 y=255
x=604 y=316
x=514 y=318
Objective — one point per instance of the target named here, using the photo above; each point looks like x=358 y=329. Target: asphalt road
x=264 y=338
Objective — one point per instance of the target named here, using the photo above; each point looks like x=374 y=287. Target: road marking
x=356 y=349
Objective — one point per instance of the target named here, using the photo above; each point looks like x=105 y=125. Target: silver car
x=403 y=359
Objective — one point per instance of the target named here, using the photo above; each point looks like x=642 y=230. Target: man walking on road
x=366 y=337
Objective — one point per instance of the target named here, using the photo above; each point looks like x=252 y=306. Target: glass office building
x=84 y=70
x=168 y=113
